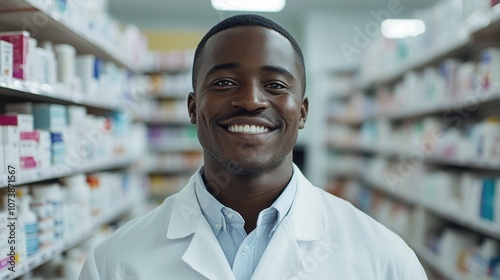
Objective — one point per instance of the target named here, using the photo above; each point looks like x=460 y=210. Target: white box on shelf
x=6 y=59
x=27 y=149
x=11 y=145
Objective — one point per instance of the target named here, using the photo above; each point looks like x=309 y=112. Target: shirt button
x=246 y=249
x=218 y=226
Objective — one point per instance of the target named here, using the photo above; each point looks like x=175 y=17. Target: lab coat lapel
x=298 y=232
x=282 y=258
x=204 y=253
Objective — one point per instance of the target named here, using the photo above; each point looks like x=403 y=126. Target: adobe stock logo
x=363 y=37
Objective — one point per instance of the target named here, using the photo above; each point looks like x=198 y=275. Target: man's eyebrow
x=223 y=66
x=279 y=70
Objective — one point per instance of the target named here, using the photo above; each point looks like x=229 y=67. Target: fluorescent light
x=401 y=28
x=249 y=5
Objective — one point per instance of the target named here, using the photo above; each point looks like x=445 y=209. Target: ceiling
x=199 y=14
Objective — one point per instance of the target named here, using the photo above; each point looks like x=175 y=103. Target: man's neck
x=248 y=195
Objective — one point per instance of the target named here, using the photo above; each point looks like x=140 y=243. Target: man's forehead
x=243 y=32
x=235 y=42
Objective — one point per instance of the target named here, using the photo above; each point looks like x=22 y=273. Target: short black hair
x=247 y=20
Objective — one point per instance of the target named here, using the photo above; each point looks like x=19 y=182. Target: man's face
x=248 y=105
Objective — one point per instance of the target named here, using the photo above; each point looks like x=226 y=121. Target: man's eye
x=223 y=83
x=275 y=86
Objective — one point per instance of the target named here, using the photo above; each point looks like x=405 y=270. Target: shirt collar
x=212 y=208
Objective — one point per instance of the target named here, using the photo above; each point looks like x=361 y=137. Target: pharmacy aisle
x=174 y=152
x=421 y=139
x=68 y=143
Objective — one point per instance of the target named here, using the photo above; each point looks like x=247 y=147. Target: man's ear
x=191 y=103
x=303 y=112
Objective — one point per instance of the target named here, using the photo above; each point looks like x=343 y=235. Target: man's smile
x=247 y=129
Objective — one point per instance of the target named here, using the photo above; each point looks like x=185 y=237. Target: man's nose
x=250 y=98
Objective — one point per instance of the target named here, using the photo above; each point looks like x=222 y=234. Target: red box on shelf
x=19 y=41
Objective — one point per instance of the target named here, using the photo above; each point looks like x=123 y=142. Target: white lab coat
x=322 y=237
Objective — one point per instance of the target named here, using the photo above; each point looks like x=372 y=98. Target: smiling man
x=248 y=212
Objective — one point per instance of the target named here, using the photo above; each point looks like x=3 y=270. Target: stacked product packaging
x=452 y=81
x=58 y=70
x=44 y=137
x=49 y=214
x=448 y=22
x=460 y=252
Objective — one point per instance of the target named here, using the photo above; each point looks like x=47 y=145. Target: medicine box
x=51 y=117
x=10 y=140
x=24 y=122
x=27 y=149
x=6 y=59
x=20 y=46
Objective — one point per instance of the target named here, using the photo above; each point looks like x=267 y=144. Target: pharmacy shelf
x=435 y=263
x=45 y=255
x=391 y=192
x=472 y=164
x=435 y=160
x=488 y=28
x=15 y=88
x=38 y=175
x=481 y=226
x=447 y=48
x=490 y=99
x=488 y=25
x=45 y=23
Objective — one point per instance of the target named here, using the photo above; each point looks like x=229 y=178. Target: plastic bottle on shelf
x=52 y=198
x=491 y=140
x=66 y=61
x=95 y=195
x=78 y=202
x=30 y=224
x=21 y=242
x=51 y=63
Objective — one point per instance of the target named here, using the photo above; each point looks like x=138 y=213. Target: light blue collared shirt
x=243 y=252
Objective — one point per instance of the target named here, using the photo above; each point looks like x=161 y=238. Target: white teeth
x=247 y=129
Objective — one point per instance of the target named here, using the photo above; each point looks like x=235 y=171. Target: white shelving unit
x=47 y=23
x=174 y=149
x=34 y=176
x=43 y=256
x=11 y=87
x=462 y=44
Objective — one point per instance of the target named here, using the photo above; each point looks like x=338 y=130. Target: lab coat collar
x=186 y=213
x=305 y=216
